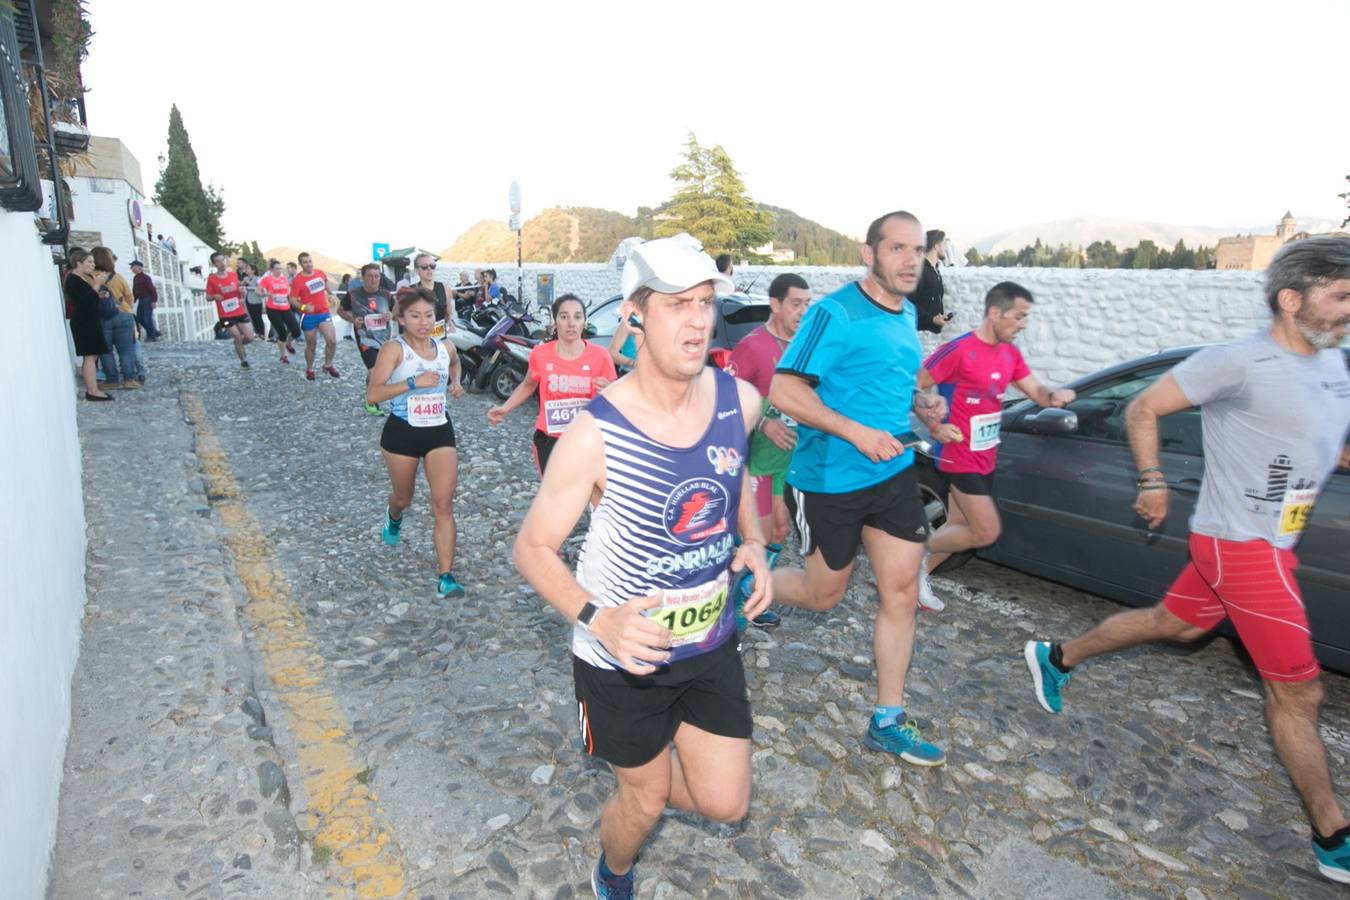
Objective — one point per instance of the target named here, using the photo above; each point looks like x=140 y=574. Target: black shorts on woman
x=403 y=439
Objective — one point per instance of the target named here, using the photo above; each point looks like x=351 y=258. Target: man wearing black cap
x=143 y=289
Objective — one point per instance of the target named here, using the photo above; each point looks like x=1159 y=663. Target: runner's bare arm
x=616 y=345
x=751 y=551
x=575 y=471
x=794 y=396
x=1042 y=395
x=497 y=414
x=1345 y=457
x=1162 y=398
x=925 y=381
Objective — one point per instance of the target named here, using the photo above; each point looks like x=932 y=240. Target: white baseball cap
x=670 y=265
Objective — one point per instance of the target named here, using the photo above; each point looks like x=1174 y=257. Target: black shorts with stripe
x=833 y=523
x=627 y=720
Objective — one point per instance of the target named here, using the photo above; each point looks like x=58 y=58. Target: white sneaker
x=928 y=601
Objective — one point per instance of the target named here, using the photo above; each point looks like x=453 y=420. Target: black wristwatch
x=587 y=615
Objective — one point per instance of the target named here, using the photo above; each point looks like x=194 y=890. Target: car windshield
x=605 y=317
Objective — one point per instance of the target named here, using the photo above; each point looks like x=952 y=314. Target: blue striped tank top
x=666 y=525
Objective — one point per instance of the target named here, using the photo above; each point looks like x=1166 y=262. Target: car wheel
x=505 y=381
x=933 y=493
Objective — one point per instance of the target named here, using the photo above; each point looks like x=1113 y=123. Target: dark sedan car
x=1066 y=487
x=737 y=316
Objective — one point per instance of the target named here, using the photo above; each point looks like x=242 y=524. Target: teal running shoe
x=615 y=887
x=391 y=530
x=1334 y=864
x=903 y=739
x=1047 y=679
x=741 y=588
x=449 y=587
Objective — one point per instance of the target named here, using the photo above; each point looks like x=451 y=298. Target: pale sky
x=336 y=124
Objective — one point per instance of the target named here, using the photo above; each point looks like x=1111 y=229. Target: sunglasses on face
x=426 y=267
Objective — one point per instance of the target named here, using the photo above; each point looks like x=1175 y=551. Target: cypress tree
x=180 y=191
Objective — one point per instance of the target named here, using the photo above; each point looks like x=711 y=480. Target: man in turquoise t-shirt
x=848 y=379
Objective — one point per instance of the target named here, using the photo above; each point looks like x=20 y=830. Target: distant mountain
x=556 y=235
x=330 y=266
x=587 y=234
x=1083 y=230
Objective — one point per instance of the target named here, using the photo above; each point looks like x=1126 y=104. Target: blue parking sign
x=379 y=251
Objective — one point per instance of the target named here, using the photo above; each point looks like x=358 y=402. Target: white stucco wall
x=41 y=556
x=1084 y=319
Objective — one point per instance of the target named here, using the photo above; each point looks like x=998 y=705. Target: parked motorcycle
x=509 y=365
x=476 y=339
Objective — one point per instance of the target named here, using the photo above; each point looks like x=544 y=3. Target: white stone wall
x=1087 y=319
x=1084 y=319
x=41 y=556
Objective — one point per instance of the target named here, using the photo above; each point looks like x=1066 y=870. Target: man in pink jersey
x=754 y=360
x=973 y=372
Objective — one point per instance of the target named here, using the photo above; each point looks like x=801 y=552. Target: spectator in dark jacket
x=143 y=288
x=927 y=297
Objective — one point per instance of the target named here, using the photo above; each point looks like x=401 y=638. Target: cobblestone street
x=271 y=703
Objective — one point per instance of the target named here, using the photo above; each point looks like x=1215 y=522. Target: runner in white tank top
x=416 y=374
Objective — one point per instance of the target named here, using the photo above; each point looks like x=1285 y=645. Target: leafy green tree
x=180 y=191
x=1145 y=255
x=1102 y=255
x=712 y=204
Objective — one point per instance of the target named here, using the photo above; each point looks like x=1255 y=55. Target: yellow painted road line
x=345 y=817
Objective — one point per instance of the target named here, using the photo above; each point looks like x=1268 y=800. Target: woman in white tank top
x=415 y=374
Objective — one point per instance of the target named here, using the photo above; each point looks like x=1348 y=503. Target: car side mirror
x=589 y=331
x=1051 y=421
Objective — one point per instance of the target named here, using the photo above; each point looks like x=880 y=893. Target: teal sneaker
x=391 y=530
x=741 y=588
x=449 y=587
x=614 y=887
x=903 y=739
x=1047 y=679
x=1334 y=864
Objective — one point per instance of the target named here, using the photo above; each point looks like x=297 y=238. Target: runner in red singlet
x=222 y=287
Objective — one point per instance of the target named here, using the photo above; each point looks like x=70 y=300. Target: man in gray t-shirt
x=1276 y=410
x=1274 y=427
x=370 y=310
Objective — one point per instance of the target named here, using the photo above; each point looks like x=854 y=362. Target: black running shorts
x=543 y=446
x=627 y=720
x=241 y=319
x=833 y=523
x=403 y=439
x=369 y=355
x=971 y=483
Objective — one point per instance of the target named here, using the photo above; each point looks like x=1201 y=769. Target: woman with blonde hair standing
x=119 y=332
